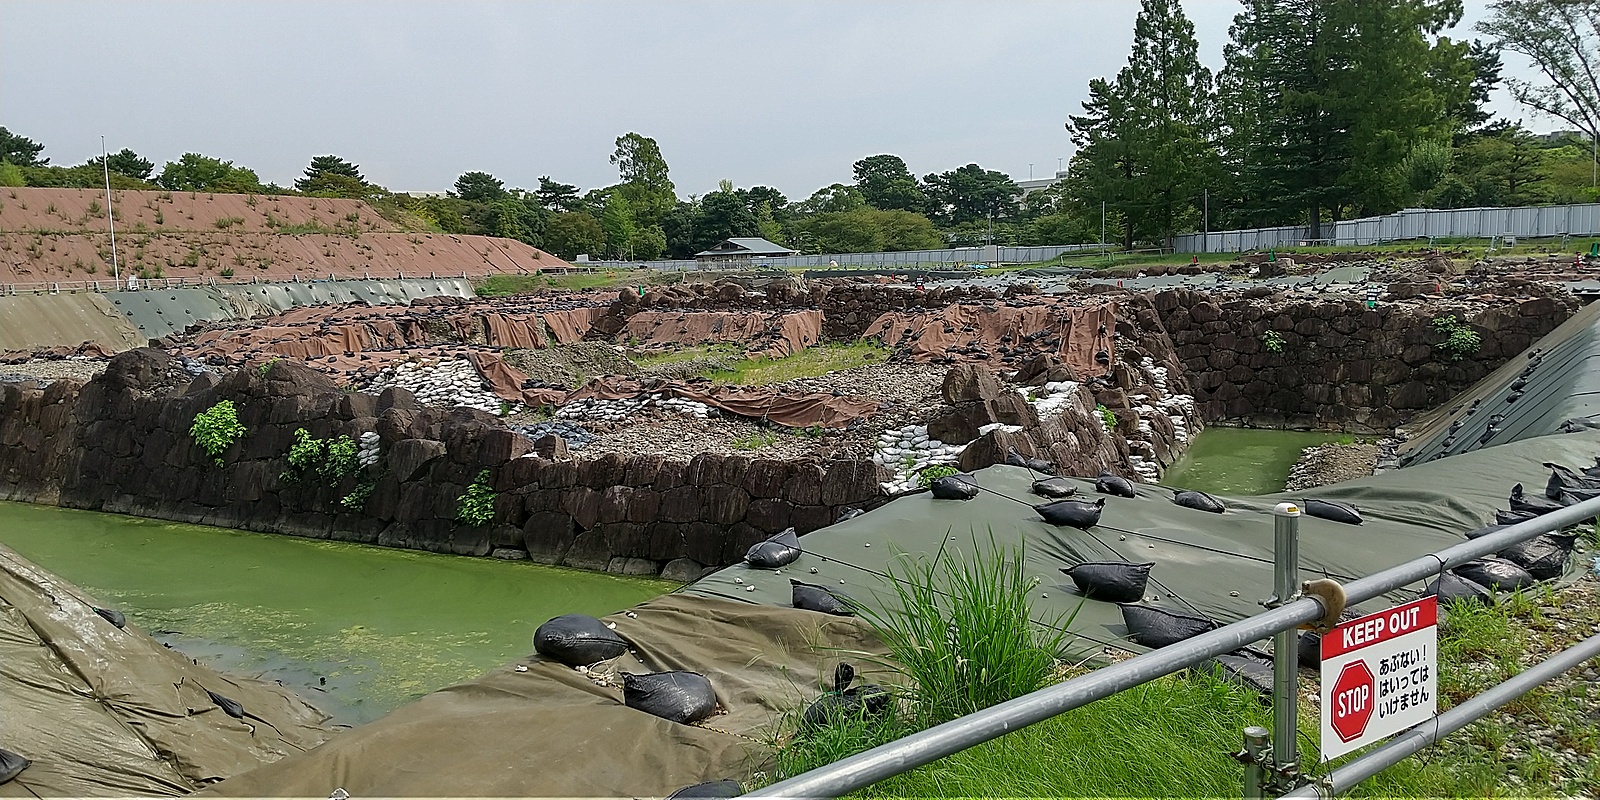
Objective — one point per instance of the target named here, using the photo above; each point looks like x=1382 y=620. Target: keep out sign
x=1379 y=675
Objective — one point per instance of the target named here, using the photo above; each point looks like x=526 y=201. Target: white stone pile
x=446 y=382
x=1054 y=396
x=619 y=410
x=909 y=449
x=367 y=452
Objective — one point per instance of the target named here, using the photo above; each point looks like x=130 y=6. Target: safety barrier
x=1412 y=224
x=1273 y=768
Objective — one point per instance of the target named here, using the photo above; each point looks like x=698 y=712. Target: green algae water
x=355 y=629
x=1242 y=461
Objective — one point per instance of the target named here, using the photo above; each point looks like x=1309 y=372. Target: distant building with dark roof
x=744 y=249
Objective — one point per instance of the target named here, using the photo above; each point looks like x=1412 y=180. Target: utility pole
x=105 y=164
x=1102 y=224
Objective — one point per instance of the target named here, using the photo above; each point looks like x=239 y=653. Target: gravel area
x=906 y=392
x=82 y=369
x=570 y=365
x=1331 y=463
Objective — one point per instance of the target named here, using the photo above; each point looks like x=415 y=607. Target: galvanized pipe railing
x=1410 y=742
x=864 y=769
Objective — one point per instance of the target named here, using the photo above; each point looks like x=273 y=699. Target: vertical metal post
x=1256 y=740
x=105 y=166
x=1285 y=692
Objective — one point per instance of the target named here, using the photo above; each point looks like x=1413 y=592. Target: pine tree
x=1145 y=141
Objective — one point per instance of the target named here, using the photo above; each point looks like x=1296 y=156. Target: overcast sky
x=786 y=94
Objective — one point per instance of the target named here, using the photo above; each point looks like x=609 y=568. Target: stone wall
x=1341 y=365
x=120 y=443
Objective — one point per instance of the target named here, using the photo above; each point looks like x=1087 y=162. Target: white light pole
x=105 y=164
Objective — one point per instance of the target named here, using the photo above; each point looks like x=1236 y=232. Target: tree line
x=1323 y=110
x=639 y=217
x=1333 y=110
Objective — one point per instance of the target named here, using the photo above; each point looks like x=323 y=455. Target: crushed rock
x=80 y=369
x=570 y=365
x=1323 y=464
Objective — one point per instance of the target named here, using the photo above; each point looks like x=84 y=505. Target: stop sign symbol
x=1352 y=700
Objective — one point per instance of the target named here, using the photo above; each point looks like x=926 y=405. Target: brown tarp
x=103 y=711
x=783 y=334
x=571 y=325
x=1082 y=331
x=523 y=332
x=552 y=732
x=797 y=331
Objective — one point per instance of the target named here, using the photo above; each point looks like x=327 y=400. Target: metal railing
x=864 y=769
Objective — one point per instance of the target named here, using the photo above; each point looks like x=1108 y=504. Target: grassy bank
x=1173 y=737
x=725 y=363
x=507 y=284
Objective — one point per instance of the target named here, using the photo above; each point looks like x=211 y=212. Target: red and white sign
x=1379 y=675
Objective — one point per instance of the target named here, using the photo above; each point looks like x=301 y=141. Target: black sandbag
x=1240 y=669
x=1544 y=556
x=710 y=790
x=779 y=550
x=229 y=706
x=1080 y=514
x=1111 y=581
x=11 y=765
x=1114 y=485
x=1039 y=465
x=1533 y=505
x=1496 y=573
x=1014 y=458
x=112 y=616
x=1594 y=471
x=682 y=697
x=848 y=513
x=817 y=598
x=1509 y=518
x=1308 y=650
x=1486 y=530
x=1200 y=501
x=845 y=703
x=1564 y=479
x=578 y=640
x=1452 y=588
x=1574 y=496
x=1331 y=510
x=954 y=487
x=1054 y=488
x=1158 y=627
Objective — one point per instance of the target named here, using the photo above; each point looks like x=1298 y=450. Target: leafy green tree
x=970 y=193
x=649 y=242
x=479 y=187
x=1145 y=140
x=645 y=180
x=571 y=233
x=620 y=227
x=193 y=172
x=829 y=199
x=886 y=183
x=1562 y=39
x=332 y=176
x=514 y=217
x=556 y=196
x=867 y=229
x=20 y=150
x=124 y=162
x=723 y=215
x=11 y=175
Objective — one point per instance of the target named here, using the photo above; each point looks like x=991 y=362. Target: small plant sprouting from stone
x=331 y=458
x=1106 y=417
x=477 y=505
x=356 y=500
x=1460 y=340
x=928 y=475
x=755 y=441
x=266 y=367
x=1272 y=341
x=216 y=429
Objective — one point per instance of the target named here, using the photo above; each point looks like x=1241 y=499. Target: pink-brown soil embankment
x=60 y=235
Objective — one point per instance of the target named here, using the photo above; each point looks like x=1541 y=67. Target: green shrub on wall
x=216 y=429
x=1460 y=340
x=477 y=505
x=331 y=458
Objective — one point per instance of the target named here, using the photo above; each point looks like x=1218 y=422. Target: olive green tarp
x=551 y=732
x=108 y=712
x=1508 y=406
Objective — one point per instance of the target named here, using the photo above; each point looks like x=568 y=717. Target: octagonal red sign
x=1352 y=700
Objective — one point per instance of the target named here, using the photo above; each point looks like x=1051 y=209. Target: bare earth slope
x=60 y=235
